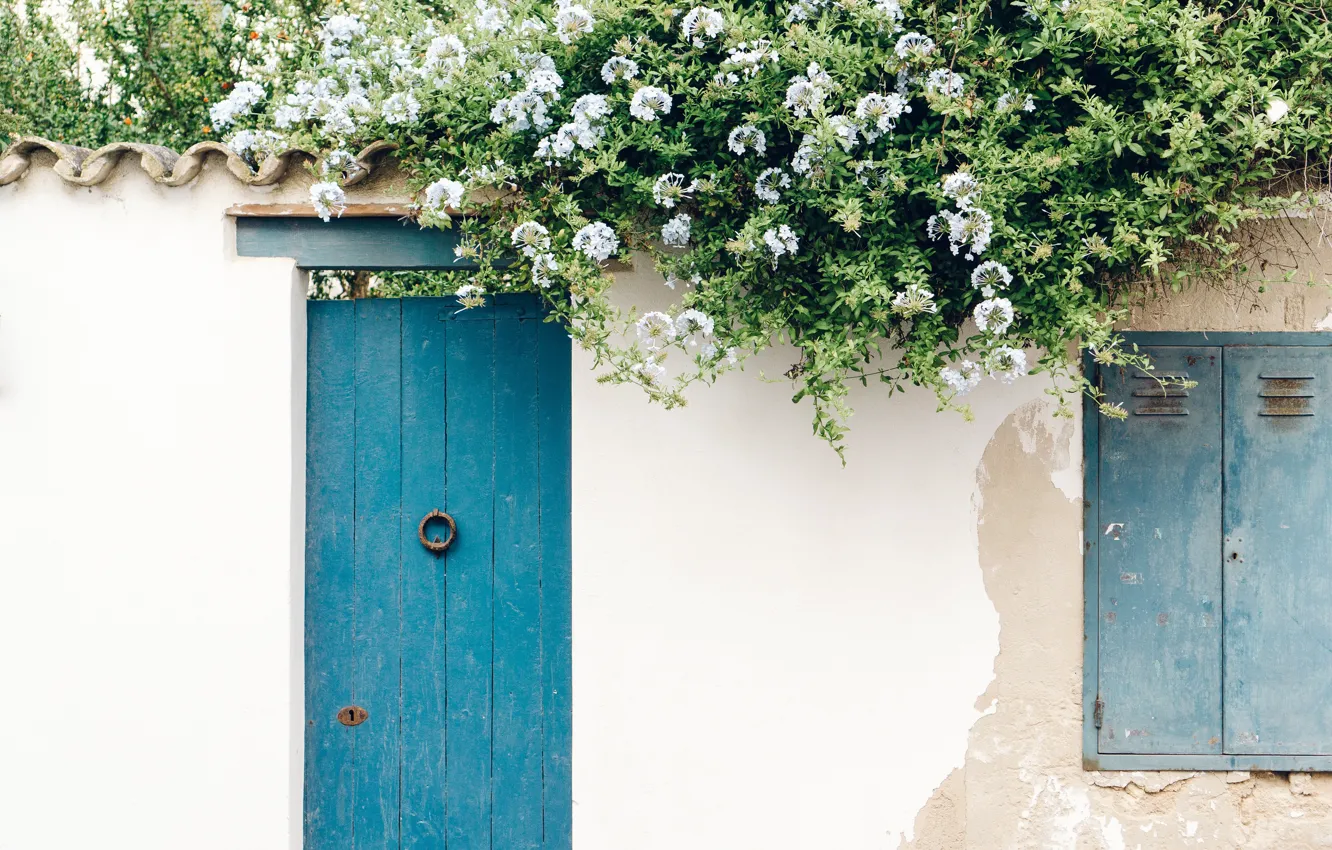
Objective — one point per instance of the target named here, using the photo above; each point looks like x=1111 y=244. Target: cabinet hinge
x=1098 y=712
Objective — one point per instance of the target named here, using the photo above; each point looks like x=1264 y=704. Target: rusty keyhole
x=352 y=715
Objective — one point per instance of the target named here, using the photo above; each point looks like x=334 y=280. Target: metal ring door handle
x=437 y=546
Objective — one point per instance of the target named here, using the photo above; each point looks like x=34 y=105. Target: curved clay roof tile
x=85 y=167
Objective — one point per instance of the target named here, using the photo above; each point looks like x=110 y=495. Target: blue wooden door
x=1159 y=676
x=1278 y=550
x=459 y=661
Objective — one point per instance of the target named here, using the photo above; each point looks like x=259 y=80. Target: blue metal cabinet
x=1209 y=557
x=437 y=683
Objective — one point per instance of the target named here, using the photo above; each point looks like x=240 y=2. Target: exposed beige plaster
x=1022 y=785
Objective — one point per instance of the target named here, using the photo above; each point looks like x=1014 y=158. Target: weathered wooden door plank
x=425 y=575
x=376 y=626
x=517 y=747
x=329 y=570
x=554 y=439
x=470 y=435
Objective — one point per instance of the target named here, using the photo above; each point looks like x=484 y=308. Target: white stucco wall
x=770 y=650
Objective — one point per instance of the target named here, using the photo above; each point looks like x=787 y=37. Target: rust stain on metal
x=1286 y=395
x=1111 y=616
x=1162 y=618
x=1131 y=578
x=436 y=545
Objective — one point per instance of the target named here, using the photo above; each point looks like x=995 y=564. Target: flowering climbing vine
x=931 y=193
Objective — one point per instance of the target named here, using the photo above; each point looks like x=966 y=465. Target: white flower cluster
x=328 y=199
x=878 y=113
x=914 y=300
x=255 y=145
x=691 y=329
x=528 y=109
x=586 y=129
x=746 y=138
x=1003 y=362
x=533 y=241
x=471 y=295
x=806 y=93
x=572 y=22
x=444 y=194
x=1011 y=101
x=945 y=83
x=445 y=53
x=497 y=174
x=669 y=189
x=490 y=19
x=994 y=315
x=597 y=241
x=747 y=58
x=961 y=187
x=964 y=378
x=649 y=103
x=702 y=24
x=808 y=157
x=1006 y=363
x=675 y=233
x=844 y=131
x=401 y=108
x=990 y=276
x=915 y=46
x=618 y=69
x=244 y=96
x=337 y=35
x=781 y=241
x=888 y=12
x=970 y=227
x=769 y=184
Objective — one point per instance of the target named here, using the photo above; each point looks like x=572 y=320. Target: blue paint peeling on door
x=462 y=659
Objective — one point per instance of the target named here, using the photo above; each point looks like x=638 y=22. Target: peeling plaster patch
x=1022 y=786
x=1112 y=832
x=1302 y=784
x=1072 y=809
x=1294 y=312
x=1037 y=427
x=1325 y=323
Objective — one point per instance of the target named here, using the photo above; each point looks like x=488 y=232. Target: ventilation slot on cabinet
x=1162 y=395
x=1286 y=395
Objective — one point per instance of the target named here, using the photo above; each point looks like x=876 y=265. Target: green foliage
x=947 y=205
x=41 y=86
x=137 y=70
